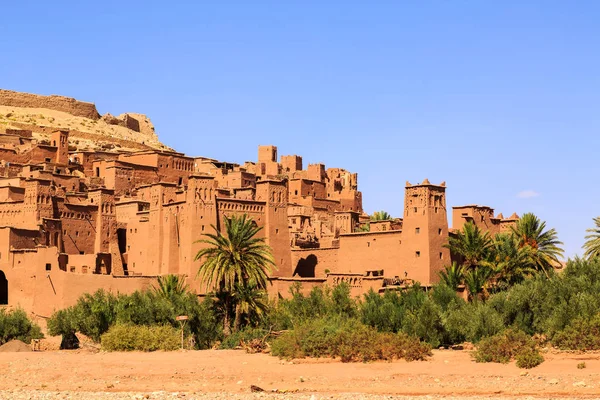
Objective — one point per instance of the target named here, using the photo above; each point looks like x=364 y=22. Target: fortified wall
x=53 y=102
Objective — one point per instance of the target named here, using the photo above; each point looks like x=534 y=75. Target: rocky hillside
x=88 y=129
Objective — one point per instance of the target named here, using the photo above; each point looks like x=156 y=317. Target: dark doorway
x=122 y=238
x=306 y=267
x=3 y=289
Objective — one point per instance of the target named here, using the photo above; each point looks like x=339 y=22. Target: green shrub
x=62 y=323
x=94 y=314
x=141 y=338
x=581 y=334
x=581 y=365
x=529 y=358
x=349 y=340
x=247 y=334
x=505 y=346
x=16 y=325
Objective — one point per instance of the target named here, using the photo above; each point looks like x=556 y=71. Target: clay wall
x=314 y=263
x=79 y=228
x=53 y=102
x=281 y=286
x=291 y=163
x=369 y=251
x=34 y=287
x=12 y=194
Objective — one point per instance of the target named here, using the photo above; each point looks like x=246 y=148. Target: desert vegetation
x=517 y=305
x=16 y=325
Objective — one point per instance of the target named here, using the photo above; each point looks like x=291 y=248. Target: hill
x=88 y=129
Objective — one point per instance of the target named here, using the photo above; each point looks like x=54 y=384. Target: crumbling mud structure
x=75 y=218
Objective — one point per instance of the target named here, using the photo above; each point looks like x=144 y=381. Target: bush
x=142 y=338
x=246 y=335
x=349 y=340
x=16 y=325
x=62 y=323
x=94 y=314
x=529 y=359
x=581 y=334
x=503 y=347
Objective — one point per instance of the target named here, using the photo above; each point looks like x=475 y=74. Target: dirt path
x=213 y=374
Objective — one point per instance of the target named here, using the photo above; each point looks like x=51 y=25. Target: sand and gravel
x=228 y=374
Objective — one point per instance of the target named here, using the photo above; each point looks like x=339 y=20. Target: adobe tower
x=424 y=232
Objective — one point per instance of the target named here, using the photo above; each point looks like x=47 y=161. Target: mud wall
x=53 y=102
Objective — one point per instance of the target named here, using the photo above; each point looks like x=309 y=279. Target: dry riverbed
x=229 y=374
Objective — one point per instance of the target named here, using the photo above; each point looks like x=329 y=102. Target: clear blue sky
x=496 y=98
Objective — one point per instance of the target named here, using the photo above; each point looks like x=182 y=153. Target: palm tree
x=543 y=245
x=252 y=302
x=592 y=242
x=510 y=262
x=471 y=244
x=477 y=282
x=170 y=285
x=380 y=216
x=452 y=275
x=235 y=260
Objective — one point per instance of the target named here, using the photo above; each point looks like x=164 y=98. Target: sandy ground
x=229 y=373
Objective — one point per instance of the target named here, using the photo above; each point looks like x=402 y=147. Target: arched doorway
x=3 y=289
x=306 y=267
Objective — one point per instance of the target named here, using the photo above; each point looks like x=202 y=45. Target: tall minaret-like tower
x=424 y=232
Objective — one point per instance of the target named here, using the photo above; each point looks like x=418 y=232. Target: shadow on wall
x=306 y=267
x=3 y=289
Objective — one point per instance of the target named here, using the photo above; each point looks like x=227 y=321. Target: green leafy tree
x=251 y=302
x=170 y=285
x=592 y=241
x=380 y=216
x=235 y=259
x=544 y=246
x=510 y=262
x=471 y=244
x=452 y=275
x=477 y=282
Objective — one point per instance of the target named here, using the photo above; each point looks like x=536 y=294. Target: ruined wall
x=53 y=102
x=313 y=263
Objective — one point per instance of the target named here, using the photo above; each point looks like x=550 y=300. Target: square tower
x=60 y=140
x=424 y=232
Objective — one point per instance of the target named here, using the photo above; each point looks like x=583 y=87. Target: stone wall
x=53 y=102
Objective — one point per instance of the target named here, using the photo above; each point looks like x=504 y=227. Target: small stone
x=579 y=384
x=301 y=379
x=240 y=382
x=524 y=373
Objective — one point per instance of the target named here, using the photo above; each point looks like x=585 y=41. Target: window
x=482 y=218
x=435 y=210
x=81 y=252
x=415 y=208
x=48 y=267
x=440 y=231
x=368 y=244
x=417 y=254
x=441 y=256
x=276 y=231
x=417 y=230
